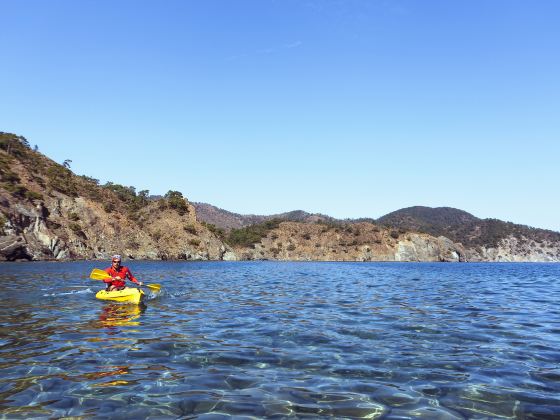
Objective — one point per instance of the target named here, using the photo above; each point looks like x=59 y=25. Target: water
x=267 y=339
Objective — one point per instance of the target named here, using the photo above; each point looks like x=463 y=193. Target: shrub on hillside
x=3 y=221
x=16 y=190
x=17 y=146
x=74 y=227
x=109 y=207
x=214 y=229
x=328 y=225
x=60 y=179
x=20 y=191
x=190 y=229
x=90 y=180
x=32 y=195
x=194 y=242
x=250 y=235
x=176 y=201
x=8 y=176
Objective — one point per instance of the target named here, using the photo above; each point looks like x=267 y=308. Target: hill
x=483 y=239
x=48 y=212
x=463 y=227
x=427 y=218
x=227 y=220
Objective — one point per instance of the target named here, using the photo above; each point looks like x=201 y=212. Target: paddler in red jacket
x=119 y=273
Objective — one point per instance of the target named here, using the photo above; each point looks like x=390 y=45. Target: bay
x=283 y=339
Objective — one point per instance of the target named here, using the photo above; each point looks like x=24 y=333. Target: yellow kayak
x=128 y=294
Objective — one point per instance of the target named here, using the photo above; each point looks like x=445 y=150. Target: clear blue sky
x=351 y=108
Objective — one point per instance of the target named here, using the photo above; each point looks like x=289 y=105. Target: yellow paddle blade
x=97 y=274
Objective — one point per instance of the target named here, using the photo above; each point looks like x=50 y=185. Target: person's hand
x=141 y=284
x=118 y=278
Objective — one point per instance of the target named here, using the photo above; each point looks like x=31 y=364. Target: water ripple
x=342 y=340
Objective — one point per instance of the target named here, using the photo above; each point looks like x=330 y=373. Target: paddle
x=97 y=274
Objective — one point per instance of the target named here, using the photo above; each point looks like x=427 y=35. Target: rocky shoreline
x=49 y=213
x=39 y=233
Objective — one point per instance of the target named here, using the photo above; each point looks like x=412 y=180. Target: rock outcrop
x=48 y=213
x=63 y=228
x=513 y=249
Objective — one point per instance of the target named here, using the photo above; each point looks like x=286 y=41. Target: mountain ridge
x=456 y=224
x=227 y=220
x=49 y=213
x=461 y=226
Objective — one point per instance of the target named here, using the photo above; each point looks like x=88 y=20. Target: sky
x=348 y=108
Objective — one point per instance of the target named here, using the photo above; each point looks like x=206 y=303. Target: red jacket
x=123 y=272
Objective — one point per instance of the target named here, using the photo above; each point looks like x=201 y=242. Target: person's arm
x=110 y=279
x=132 y=278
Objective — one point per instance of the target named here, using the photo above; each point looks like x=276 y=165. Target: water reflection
x=120 y=315
x=115 y=373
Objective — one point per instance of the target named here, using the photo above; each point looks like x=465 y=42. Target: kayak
x=128 y=295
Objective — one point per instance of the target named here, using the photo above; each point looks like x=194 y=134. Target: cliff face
x=484 y=239
x=43 y=231
x=515 y=249
x=49 y=213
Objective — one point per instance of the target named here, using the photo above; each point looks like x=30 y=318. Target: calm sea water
x=267 y=339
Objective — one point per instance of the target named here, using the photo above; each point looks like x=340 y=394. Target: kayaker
x=119 y=274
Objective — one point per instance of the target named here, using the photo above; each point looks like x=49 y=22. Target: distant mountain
x=427 y=219
x=228 y=220
x=484 y=239
x=463 y=227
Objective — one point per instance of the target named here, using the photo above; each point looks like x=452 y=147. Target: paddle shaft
x=97 y=274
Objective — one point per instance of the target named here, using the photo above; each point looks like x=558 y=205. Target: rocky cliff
x=47 y=212
x=484 y=239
